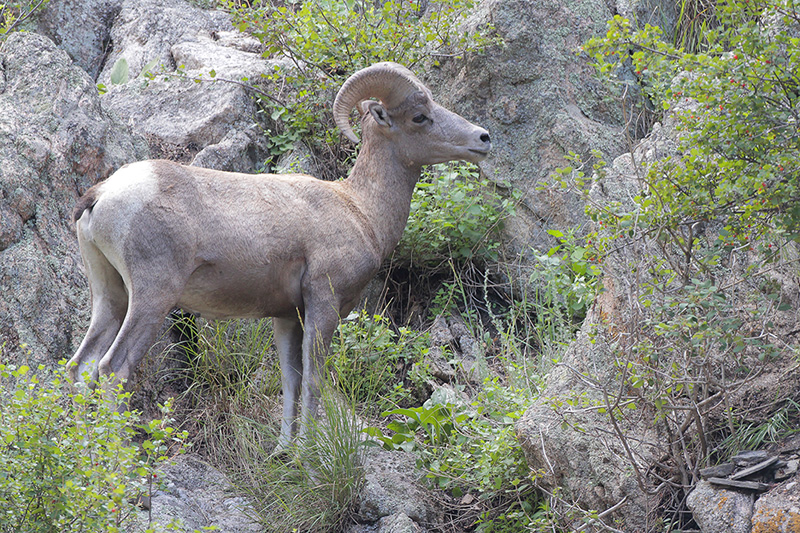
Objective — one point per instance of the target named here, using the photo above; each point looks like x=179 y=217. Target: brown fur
x=85 y=202
x=290 y=246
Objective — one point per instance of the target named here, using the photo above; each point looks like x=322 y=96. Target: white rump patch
x=134 y=183
x=123 y=195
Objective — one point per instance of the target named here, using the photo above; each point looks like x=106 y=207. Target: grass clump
x=233 y=407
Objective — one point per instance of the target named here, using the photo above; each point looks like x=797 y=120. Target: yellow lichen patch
x=776 y=522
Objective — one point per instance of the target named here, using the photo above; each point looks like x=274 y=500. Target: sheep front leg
x=319 y=328
x=289 y=342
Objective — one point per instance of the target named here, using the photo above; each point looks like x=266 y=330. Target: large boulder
x=81 y=28
x=209 y=123
x=539 y=100
x=55 y=142
x=193 y=496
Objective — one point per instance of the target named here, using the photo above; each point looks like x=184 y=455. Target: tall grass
x=232 y=407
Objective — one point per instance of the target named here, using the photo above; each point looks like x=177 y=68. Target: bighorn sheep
x=158 y=235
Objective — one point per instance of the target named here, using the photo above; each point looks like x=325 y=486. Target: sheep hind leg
x=289 y=342
x=137 y=335
x=109 y=305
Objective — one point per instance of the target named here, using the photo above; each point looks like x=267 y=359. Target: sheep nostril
x=485 y=137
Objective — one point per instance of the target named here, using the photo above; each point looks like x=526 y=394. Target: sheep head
x=403 y=111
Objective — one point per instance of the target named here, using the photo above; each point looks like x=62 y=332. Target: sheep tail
x=85 y=202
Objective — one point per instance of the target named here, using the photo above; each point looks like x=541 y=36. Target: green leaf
x=119 y=73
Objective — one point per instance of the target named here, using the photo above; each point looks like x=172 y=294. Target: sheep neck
x=383 y=185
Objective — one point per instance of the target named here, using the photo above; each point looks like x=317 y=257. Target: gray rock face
x=393 y=486
x=147 y=30
x=81 y=28
x=587 y=458
x=539 y=101
x=55 y=141
x=200 y=496
x=778 y=511
x=723 y=511
x=210 y=124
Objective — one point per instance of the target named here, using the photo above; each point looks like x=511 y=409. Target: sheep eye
x=419 y=119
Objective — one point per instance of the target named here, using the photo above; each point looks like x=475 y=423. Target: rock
x=81 y=28
x=147 y=30
x=778 y=511
x=589 y=465
x=787 y=470
x=748 y=458
x=212 y=122
x=438 y=366
x=398 y=523
x=653 y=12
x=759 y=467
x=755 y=486
x=301 y=160
x=576 y=449
x=10 y=227
x=200 y=496
x=55 y=142
x=440 y=332
x=393 y=486
x=720 y=510
x=723 y=470
x=539 y=101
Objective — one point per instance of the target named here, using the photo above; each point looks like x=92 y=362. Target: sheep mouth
x=482 y=153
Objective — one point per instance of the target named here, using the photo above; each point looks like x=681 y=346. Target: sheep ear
x=378 y=113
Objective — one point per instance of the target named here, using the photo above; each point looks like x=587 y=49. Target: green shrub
x=370 y=361
x=69 y=461
x=699 y=235
x=470 y=447
x=328 y=40
x=736 y=103
x=455 y=215
x=566 y=279
x=15 y=15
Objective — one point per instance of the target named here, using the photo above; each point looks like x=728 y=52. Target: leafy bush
x=736 y=102
x=370 y=360
x=455 y=215
x=328 y=40
x=15 y=15
x=469 y=447
x=701 y=231
x=68 y=461
x=566 y=280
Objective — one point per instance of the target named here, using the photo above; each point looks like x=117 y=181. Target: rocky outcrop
x=719 y=510
x=566 y=434
x=55 y=142
x=209 y=123
x=393 y=492
x=82 y=28
x=756 y=491
x=601 y=462
x=195 y=496
x=539 y=100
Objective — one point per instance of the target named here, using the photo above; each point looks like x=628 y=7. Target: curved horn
x=389 y=82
